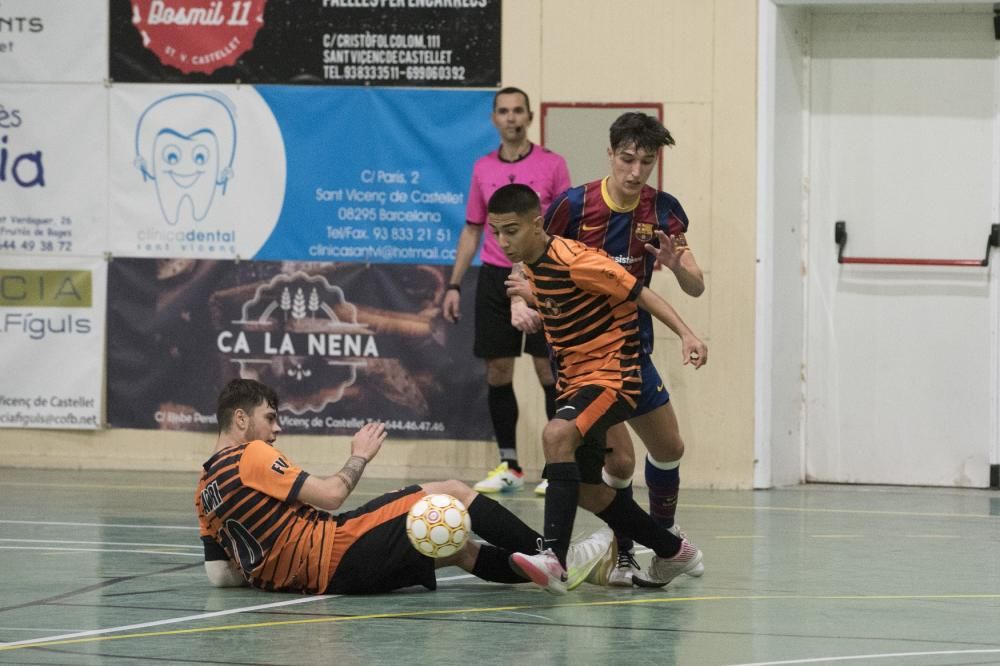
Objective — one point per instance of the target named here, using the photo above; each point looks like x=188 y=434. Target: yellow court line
x=501 y=609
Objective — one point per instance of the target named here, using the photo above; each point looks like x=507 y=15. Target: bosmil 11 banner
x=51 y=342
x=440 y=43
x=293 y=173
x=341 y=343
x=53 y=185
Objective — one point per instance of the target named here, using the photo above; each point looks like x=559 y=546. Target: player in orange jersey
x=589 y=309
x=266 y=522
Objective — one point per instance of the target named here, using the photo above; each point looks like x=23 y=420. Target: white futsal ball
x=438 y=525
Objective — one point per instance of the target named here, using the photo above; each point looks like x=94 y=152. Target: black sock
x=550 y=400
x=493 y=522
x=625 y=544
x=503 y=413
x=561 y=498
x=626 y=517
x=493 y=564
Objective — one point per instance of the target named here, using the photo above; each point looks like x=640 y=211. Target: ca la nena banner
x=51 y=341
x=53 y=41
x=53 y=166
x=293 y=173
x=341 y=343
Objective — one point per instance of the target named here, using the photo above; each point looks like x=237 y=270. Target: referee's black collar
x=531 y=148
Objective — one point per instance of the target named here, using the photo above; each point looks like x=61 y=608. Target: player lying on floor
x=266 y=522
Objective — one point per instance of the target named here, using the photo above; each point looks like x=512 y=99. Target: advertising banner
x=62 y=41
x=293 y=173
x=51 y=341
x=341 y=343
x=53 y=166
x=412 y=43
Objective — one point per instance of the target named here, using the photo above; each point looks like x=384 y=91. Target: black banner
x=441 y=43
x=341 y=343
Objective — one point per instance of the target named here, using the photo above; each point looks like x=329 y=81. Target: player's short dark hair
x=514 y=198
x=641 y=130
x=242 y=394
x=510 y=90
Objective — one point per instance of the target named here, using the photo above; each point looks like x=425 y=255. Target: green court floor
x=105 y=568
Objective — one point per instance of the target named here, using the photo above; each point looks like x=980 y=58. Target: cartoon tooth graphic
x=185 y=144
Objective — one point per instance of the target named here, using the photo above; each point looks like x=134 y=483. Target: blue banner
x=375 y=176
x=293 y=173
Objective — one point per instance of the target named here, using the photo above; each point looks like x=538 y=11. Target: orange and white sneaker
x=502 y=479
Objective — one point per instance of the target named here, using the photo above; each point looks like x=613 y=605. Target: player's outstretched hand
x=367 y=441
x=669 y=252
x=451 y=306
x=695 y=351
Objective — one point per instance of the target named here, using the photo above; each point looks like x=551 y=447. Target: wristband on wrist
x=456 y=287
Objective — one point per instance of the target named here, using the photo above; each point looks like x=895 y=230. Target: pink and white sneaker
x=543 y=569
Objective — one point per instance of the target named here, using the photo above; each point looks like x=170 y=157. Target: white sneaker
x=662 y=570
x=590 y=558
x=542 y=486
x=501 y=480
x=677 y=532
x=623 y=573
x=542 y=569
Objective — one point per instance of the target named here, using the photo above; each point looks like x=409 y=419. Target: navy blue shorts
x=654 y=393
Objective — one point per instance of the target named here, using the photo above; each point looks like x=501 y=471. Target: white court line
x=191 y=618
x=103 y=550
x=138 y=527
x=172 y=620
x=888 y=655
x=33 y=629
x=105 y=543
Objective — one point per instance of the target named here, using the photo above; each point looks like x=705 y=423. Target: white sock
x=614 y=481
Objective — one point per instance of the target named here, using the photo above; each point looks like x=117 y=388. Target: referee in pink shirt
x=497 y=341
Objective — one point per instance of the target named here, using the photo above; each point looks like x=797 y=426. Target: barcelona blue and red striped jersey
x=587 y=214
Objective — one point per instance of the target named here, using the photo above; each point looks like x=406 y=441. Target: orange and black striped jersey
x=247 y=502
x=587 y=303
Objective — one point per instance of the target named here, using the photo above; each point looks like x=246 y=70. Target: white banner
x=53 y=169
x=63 y=41
x=52 y=313
x=195 y=171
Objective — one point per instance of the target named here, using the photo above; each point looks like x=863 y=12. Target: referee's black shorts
x=495 y=337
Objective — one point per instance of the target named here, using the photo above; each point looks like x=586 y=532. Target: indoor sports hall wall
x=696 y=59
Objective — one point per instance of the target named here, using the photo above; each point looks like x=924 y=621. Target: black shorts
x=372 y=553
x=495 y=337
x=594 y=409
